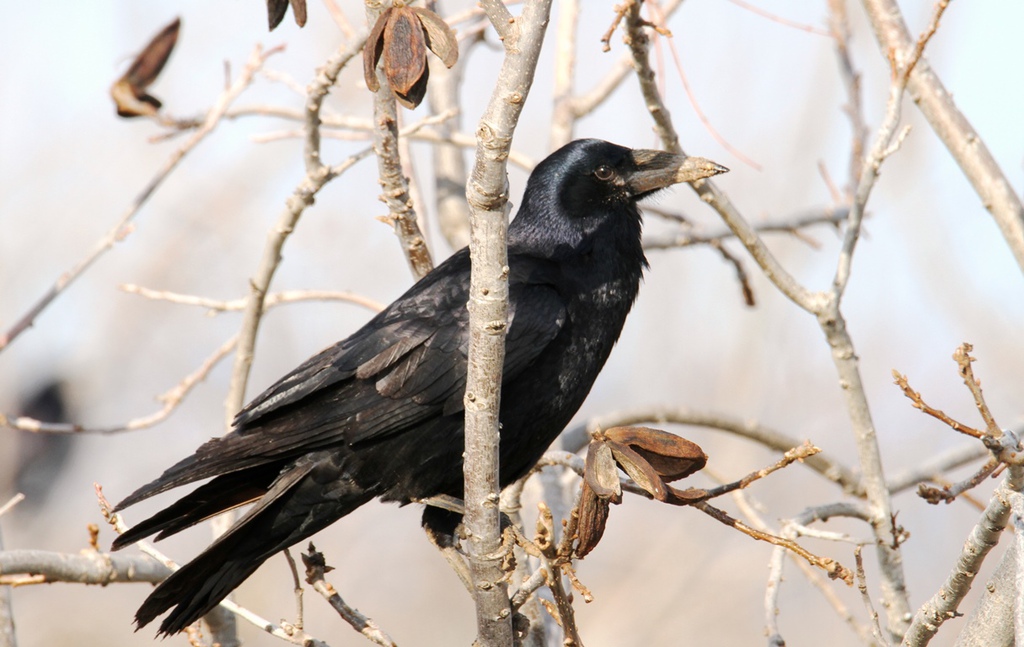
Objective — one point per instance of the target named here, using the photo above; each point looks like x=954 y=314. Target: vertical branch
x=563 y=120
x=7 y=636
x=317 y=174
x=825 y=307
x=487 y=194
x=449 y=163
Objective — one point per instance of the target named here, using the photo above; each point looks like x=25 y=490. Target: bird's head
x=590 y=182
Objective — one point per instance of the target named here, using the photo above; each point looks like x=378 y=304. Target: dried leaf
x=593 y=516
x=601 y=474
x=129 y=91
x=405 y=50
x=440 y=37
x=671 y=456
x=642 y=473
x=373 y=49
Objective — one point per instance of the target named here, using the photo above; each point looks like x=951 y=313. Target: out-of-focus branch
x=124 y=226
x=952 y=127
x=170 y=399
x=449 y=160
x=317 y=175
x=563 y=117
x=22 y=567
x=487 y=195
x=839 y=25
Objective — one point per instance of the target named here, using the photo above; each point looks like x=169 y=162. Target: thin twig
x=919 y=403
x=124 y=226
x=865 y=597
x=962 y=141
x=316 y=567
x=963 y=359
x=317 y=175
x=170 y=399
x=834 y=569
x=286 y=633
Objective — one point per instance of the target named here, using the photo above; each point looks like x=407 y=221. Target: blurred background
x=931 y=271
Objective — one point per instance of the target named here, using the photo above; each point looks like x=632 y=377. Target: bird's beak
x=658 y=169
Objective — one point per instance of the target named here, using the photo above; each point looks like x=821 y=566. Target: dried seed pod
x=689 y=496
x=440 y=37
x=593 y=516
x=276 y=10
x=671 y=456
x=129 y=91
x=401 y=37
x=642 y=473
x=600 y=472
x=405 y=56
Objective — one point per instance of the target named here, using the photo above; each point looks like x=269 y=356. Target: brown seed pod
x=593 y=516
x=601 y=473
x=671 y=456
x=401 y=37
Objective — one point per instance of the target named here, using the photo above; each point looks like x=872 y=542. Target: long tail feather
x=303 y=500
x=219 y=495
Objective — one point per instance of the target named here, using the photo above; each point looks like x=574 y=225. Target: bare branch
x=962 y=141
x=124 y=226
x=983 y=537
x=834 y=569
x=171 y=399
x=289 y=633
x=315 y=569
x=21 y=567
x=317 y=175
x=487 y=194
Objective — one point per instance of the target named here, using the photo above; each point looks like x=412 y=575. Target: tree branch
x=487 y=194
x=124 y=226
x=961 y=140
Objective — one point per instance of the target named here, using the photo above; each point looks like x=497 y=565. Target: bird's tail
x=303 y=499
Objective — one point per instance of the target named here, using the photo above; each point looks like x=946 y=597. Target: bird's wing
x=406 y=365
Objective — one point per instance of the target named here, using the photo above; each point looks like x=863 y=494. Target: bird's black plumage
x=380 y=414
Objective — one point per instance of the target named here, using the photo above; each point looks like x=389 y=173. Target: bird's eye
x=604 y=172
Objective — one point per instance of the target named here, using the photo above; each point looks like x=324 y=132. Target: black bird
x=380 y=414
